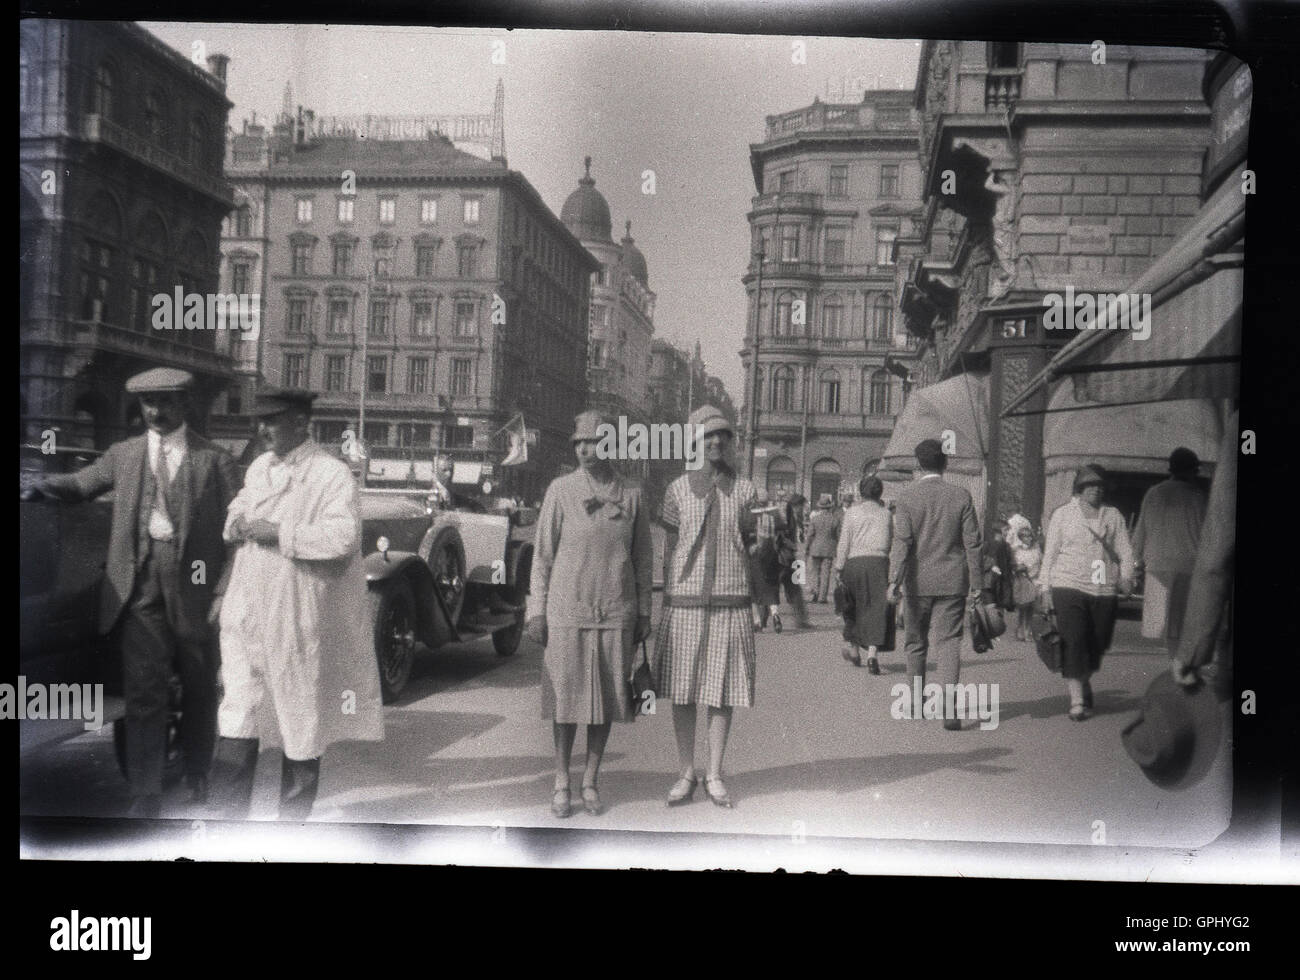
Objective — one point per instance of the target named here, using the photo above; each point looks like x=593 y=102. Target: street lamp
x=751 y=422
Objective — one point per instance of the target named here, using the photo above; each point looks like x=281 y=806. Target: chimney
x=217 y=64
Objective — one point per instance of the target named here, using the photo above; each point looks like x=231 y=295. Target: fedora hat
x=708 y=420
x=1176 y=734
x=586 y=426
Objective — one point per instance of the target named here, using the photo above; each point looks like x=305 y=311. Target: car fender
x=434 y=629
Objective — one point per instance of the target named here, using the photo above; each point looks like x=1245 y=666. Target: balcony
x=1001 y=89
x=791 y=422
x=97 y=129
x=157 y=346
x=773 y=269
x=791 y=201
x=830 y=116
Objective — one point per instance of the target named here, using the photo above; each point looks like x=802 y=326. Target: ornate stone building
x=432 y=279
x=837 y=185
x=1043 y=166
x=121 y=198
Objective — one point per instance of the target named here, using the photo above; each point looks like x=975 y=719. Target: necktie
x=162 y=480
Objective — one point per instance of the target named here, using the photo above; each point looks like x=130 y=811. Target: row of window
x=837 y=184
x=382 y=318
x=386 y=213
x=302 y=253
x=783 y=397
x=296 y=370
x=412 y=435
x=95 y=296
x=835 y=245
x=830 y=322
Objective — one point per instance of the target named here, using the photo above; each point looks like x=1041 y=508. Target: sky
x=686 y=106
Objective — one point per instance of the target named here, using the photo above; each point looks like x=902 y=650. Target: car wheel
x=506 y=641
x=392 y=628
x=447 y=563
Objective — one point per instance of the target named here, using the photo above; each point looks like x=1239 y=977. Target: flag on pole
x=517 y=433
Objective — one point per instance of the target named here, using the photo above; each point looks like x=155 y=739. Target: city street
x=819 y=755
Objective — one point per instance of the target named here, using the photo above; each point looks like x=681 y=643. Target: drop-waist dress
x=704 y=652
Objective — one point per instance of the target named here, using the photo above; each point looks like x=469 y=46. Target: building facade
x=622 y=307
x=837 y=186
x=1044 y=167
x=427 y=293
x=121 y=199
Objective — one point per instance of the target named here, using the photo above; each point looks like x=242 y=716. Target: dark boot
x=298 y=782
x=234 y=768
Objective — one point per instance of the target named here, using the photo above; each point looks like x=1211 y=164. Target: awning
x=1194 y=346
x=1133 y=438
x=960 y=404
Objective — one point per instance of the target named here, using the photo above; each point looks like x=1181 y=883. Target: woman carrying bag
x=1087 y=561
x=589 y=605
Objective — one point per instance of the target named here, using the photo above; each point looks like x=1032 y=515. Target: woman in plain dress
x=704 y=654
x=862 y=564
x=589 y=605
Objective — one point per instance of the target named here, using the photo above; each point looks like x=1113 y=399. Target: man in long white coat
x=296 y=666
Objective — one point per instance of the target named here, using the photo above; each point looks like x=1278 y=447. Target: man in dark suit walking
x=165 y=559
x=936 y=561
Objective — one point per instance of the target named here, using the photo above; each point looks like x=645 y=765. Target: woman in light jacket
x=1087 y=561
x=589 y=605
x=862 y=564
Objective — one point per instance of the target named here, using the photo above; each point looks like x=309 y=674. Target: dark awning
x=1194 y=347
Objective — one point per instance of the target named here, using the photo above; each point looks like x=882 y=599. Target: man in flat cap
x=297 y=666
x=165 y=559
x=935 y=561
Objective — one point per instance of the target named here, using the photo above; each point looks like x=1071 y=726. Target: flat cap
x=273 y=401
x=159 y=379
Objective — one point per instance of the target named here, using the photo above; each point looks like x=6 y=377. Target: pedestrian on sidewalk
x=296 y=662
x=1087 y=561
x=171 y=488
x=935 y=561
x=764 y=569
x=862 y=564
x=823 y=539
x=1027 y=563
x=704 y=655
x=1164 y=546
x=589 y=605
x=790 y=540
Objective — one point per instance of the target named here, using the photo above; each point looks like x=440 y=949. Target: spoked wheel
x=392 y=624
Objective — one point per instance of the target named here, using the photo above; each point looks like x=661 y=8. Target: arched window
x=784 y=326
x=782 y=399
x=781 y=475
x=879 y=398
x=825 y=478
x=829 y=401
x=832 y=317
x=155 y=118
x=196 y=142
x=882 y=318
x=102 y=90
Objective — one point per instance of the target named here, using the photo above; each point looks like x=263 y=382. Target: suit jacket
x=937 y=542
x=823 y=533
x=203 y=489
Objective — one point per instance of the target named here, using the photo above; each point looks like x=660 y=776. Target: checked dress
x=704 y=653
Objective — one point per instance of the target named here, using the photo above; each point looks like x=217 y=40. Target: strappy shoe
x=873 y=665
x=682 y=790
x=720 y=798
x=561 y=803
x=591 y=800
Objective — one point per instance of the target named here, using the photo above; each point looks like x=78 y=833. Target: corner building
x=837 y=185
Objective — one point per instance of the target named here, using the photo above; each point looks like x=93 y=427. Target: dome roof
x=633 y=259
x=586 y=212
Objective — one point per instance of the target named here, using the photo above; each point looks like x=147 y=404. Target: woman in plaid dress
x=705 y=650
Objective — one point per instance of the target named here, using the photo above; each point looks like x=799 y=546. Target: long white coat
x=297 y=667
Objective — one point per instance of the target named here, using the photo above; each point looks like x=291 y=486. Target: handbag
x=641 y=686
x=1023 y=590
x=1047 y=639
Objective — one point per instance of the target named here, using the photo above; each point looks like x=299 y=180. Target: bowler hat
x=276 y=400
x=1090 y=474
x=1176 y=734
x=708 y=420
x=159 y=379
x=586 y=427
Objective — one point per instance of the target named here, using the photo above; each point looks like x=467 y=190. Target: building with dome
x=621 y=314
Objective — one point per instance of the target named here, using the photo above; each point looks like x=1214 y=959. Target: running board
x=489 y=623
